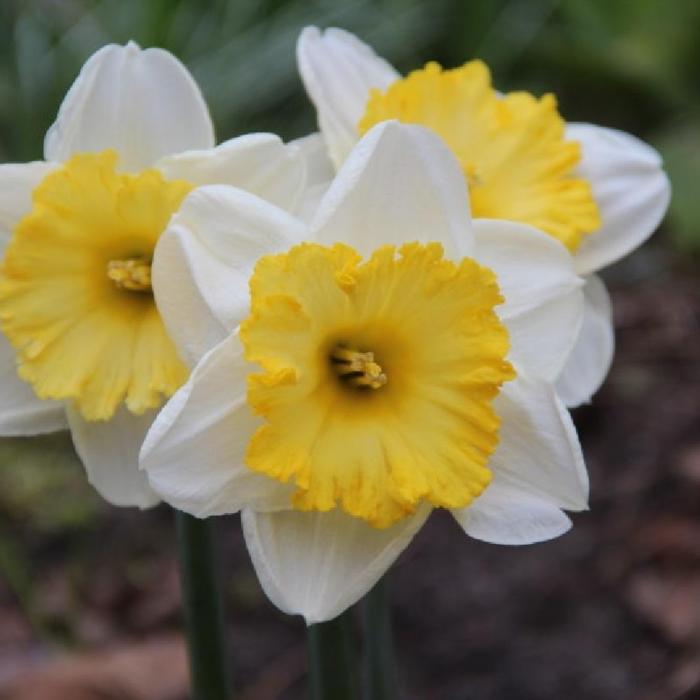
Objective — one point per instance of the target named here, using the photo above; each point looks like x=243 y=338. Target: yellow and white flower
x=600 y=191
x=83 y=345
x=389 y=360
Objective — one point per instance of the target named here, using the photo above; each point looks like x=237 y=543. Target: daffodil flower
x=389 y=360
x=83 y=345
x=600 y=191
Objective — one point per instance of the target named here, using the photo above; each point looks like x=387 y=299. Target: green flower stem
x=201 y=600
x=380 y=677
x=333 y=673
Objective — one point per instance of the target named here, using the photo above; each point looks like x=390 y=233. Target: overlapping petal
x=194 y=454
x=399 y=184
x=142 y=103
x=591 y=357
x=532 y=267
x=319 y=174
x=506 y=514
x=538 y=469
x=630 y=187
x=542 y=339
x=538 y=446
x=318 y=167
x=110 y=450
x=258 y=163
x=543 y=294
x=204 y=260
x=338 y=71
x=318 y=564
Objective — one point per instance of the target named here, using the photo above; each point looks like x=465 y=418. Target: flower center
x=133 y=275
x=512 y=147
x=333 y=424
x=357 y=369
x=75 y=288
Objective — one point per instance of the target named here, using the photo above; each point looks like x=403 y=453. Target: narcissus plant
x=391 y=357
x=83 y=344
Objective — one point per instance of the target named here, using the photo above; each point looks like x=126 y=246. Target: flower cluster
x=332 y=336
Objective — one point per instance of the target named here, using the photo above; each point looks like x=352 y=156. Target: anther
x=133 y=275
x=357 y=368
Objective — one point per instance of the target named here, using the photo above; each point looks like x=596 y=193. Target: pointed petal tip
x=338 y=71
x=400 y=183
x=319 y=564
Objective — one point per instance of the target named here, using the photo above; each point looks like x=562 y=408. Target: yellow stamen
x=133 y=274
x=358 y=368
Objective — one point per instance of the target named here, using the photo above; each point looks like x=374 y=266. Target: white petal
x=400 y=184
x=630 y=187
x=505 y=514
x=592 y=355
x=144 y=104
x=194 y=453
x=538 y=447
x=543 y=306
x=257 y=163
x=21 y=411
x=538 y=469
x=319 y=564
x=109 y=450
x=203 y=262
x=319 y=168
x=541 y=340
x=319 y=174
x=532 y=267
x=339 y=71
x=17 y=182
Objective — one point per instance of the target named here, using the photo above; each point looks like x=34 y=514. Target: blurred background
x=89 y=594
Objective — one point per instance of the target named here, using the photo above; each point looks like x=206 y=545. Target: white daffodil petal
x=630 y=187
x=21 y=411
x=203 y=262
x=338 y=71
x=257 y=163
x=194 y=453
x=541 y=340
x=17 y=182
x=319 y=168
x=591 y=357
x=319 y=174
x=318 y=564
x=532 y=267
x=538 y=449
x=543 y=305
x=400 y=184
x=506 y=514
x=180 y=261
x=109 y=450
x=143 y=104
x=544 y=298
